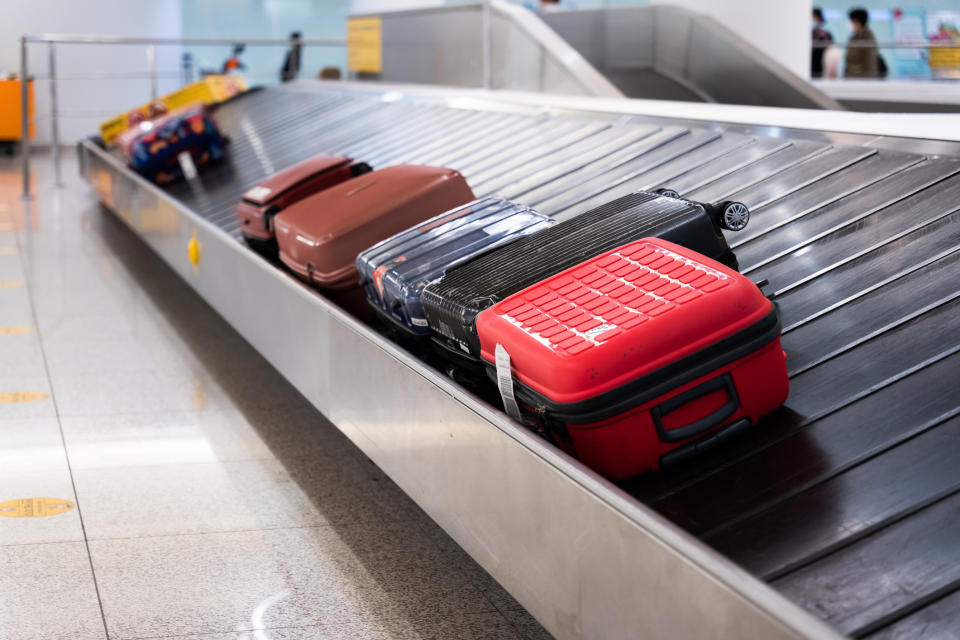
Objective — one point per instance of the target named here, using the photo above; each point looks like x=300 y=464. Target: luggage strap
x=505 y=383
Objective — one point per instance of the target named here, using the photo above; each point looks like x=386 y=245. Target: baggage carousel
x=838 y=514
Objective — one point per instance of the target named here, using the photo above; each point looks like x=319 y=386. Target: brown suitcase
x=319 y=237
x=281 y=190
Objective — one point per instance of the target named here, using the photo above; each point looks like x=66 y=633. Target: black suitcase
x=452 y=304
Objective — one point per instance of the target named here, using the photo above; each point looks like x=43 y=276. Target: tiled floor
x=212 y=501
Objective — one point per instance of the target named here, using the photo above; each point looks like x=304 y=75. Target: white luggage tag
x=187 y=166
x=505 y=383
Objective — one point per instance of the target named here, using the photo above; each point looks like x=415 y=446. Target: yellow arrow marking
x=34 y=507
x=15 y=331
x=14 y=397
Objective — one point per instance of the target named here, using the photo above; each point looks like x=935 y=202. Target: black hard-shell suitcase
x=452 y=304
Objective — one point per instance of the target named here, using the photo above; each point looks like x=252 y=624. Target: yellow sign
x=14 y=397
x=944 y=58
x=15 y=331
x=10 y=284
x=8 y=251
x=34 y=507
x=364 y=45
x=194 y=250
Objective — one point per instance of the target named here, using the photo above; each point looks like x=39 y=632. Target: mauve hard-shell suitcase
x=451 y=304
x=261 y=203
x=395 y=271
x=639 y=357
x=320 y=236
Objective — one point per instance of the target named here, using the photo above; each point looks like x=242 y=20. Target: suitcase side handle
x=715 y=419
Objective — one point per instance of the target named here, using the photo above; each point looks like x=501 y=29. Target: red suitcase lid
x=617 y=317
x=275 y=185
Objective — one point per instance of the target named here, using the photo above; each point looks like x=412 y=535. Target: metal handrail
x=60 y=38
x=53 y=39
x=860 y=44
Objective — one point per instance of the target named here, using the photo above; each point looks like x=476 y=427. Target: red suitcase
x=261 y=203
x=320 y=237
x=638 y=358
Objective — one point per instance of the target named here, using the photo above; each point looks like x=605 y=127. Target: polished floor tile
x=48 y=593
x=234 y=496
x=31 y=446
x=175 y=437
x=21 y=354
x=223 y=582
x=62 y=527
x=116 y=392
x=25 y=396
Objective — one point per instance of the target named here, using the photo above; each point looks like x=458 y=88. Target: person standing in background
x=862 y=58
x=291 y=63
x=821 y=40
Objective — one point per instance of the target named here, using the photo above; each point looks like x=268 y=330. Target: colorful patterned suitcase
x=155 y=153
x=452 y=304
x=395 y=271
x=281 y=190
x=320 y=237
x=639 y=357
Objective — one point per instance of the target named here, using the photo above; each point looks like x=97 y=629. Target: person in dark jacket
x=821 y=39
x=291 y=64
x=862 y=58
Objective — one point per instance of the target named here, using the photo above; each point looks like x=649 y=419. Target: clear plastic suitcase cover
x=395 y=271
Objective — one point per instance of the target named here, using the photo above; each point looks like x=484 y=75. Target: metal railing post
x=54 y=115
x=25 y=117
x=152 y=66
x=487 y=45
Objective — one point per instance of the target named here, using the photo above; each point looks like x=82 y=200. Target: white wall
x=86 y=102
x=274 y=19
x=374 y=6
x=779 y=28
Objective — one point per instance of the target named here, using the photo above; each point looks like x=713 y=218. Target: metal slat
x=858 y=587
x=613 y=143
x=821 y=519
x=806 y=173
x=752 y=174
x=824 y=191
x=621 y=182
x=844 y=213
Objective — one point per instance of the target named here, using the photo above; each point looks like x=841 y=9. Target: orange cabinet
x=10 y=126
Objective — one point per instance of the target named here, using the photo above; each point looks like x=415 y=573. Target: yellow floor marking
x=6 y=226
x=15 y=331
x=34 y=507
x=8 y=251
x=14 y=397
x=10 y=284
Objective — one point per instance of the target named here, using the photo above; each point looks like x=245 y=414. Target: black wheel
x=735 y=216
x=667 y=193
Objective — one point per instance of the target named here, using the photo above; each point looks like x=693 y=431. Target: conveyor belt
x=848 y=499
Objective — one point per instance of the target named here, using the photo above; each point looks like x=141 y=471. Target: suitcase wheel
x=734 y=216
x=667 y=193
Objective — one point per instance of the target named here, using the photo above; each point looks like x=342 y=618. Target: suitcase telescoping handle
x=715 y=419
